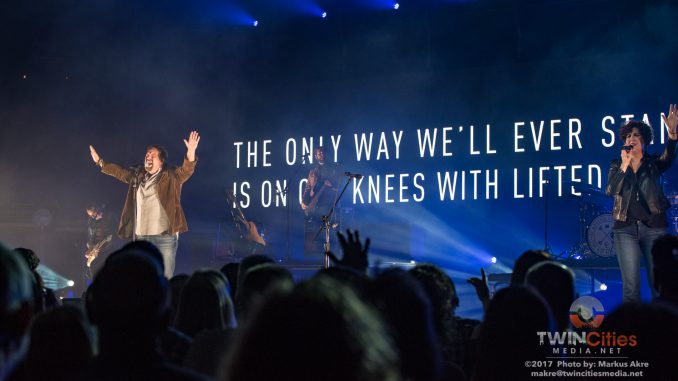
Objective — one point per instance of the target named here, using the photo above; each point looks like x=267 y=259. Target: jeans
x=631 y=243
x=167 y=244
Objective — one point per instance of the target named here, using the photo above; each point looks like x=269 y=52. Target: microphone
x=135 y=178
x=627 y=148
x=353 y=175
x=137 y=169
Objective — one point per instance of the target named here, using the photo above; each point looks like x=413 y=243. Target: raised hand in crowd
x=355 y=253
x=482 y=289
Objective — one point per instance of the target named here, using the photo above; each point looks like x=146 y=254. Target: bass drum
x=673 y=213
x=599 y=236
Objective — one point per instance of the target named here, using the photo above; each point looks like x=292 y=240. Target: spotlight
x=396 y=6
x=255 y=23
x=52 y=279
x=494 y=260
x=413 y=262
x=603 y=287
x=324 y=15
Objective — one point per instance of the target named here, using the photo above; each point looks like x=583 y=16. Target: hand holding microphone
x=626 y=155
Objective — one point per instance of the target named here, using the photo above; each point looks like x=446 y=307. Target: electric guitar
x=92 y=253
x=250 y=228
x=310 y=207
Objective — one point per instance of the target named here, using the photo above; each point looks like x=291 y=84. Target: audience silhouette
x=508 y=335
x=341 y=324
x=444 y=300
x=60 y=344
x=406 y=310
x=555 y=283
x=665 y=258
x=129 y=304
x=17 y=299
x=257 y=282
x=319 y=331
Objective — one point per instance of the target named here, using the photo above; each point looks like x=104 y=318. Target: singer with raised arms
x=640 y=206
x=152 y=210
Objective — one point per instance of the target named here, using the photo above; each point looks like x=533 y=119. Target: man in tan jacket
x=152 y=210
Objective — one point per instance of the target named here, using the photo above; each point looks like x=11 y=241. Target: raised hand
x=482 y=289
x=192 y=145
x=672 y=121
x=95 y=155
x=355 y=254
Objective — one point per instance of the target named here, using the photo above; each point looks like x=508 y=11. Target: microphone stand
x=326 y=222
x=135 y=185
x=546 y=217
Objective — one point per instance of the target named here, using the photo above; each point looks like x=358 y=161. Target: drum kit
x=670 y=183
x=596 y=223
x=673 y=213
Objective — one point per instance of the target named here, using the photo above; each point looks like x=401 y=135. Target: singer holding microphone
x=152 y=210
x=639 y=212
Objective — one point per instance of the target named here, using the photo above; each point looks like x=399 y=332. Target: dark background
x=122 y=74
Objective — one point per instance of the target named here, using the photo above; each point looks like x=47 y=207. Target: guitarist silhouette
x=99 y=236
x=251 y=241
x=317 y=199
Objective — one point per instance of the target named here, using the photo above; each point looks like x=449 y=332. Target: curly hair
x=645 y=130
x=32 y=260
x=443 y=295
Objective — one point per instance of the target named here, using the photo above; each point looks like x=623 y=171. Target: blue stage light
x=52 y=279
x=324 y=15
x=381 y=4
x=494 y=260
x=225 y=13
x=255 y=23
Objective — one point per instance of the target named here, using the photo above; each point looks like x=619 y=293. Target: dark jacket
x=169 y=192
x=620 y=184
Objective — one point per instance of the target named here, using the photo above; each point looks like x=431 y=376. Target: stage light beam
x=324 y=15
x=396 y=6
x=52 y=279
